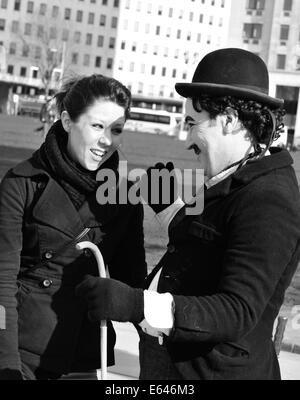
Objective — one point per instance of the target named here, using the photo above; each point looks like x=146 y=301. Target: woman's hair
x=77 y=94
x=256 y=117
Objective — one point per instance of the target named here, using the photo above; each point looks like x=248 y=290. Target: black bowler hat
x=231 y=72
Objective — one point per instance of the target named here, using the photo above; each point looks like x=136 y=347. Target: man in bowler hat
x=208 y=308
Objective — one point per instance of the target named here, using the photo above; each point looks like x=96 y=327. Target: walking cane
x=103 y=327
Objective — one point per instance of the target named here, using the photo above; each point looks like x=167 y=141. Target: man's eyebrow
x=188 y=119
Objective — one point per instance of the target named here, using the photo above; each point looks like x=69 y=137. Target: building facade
x=271 y=29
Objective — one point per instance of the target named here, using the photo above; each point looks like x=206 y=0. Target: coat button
x=46 y=283
x=41 y=185
x=171 y=248
x=48 y=255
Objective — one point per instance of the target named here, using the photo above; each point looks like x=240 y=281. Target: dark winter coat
x=228 y=269
x=46 y=325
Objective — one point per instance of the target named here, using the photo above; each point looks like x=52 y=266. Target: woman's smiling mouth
x=99 y=153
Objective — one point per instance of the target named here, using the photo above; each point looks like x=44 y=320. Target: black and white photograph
x=149 y=192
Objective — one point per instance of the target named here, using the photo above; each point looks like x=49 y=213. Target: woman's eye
x=98 y=126
x=117 y=131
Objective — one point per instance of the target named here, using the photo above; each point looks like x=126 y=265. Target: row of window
x=153 y=70
x=281 y=62
x=254 y=31
x=161 y=11
x=260 y=5
x=43 y=7
x=15 y=27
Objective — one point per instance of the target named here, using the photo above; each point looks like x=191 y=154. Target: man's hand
x=111 y=299
x=162 y=186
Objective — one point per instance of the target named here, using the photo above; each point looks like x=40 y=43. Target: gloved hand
x=110 y=299
x=156 y=188
x=10 y=374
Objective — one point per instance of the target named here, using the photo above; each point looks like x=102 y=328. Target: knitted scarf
x=75 y=180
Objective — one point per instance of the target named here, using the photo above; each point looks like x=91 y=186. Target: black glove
x=157 y=186
x=10 y=375
x=110 y=299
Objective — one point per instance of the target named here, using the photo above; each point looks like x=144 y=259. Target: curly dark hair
x=254 y=116
x=78 y=93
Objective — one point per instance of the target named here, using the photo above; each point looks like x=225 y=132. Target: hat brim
x=211 y=89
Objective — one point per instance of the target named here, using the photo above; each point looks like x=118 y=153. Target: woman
x=221 y=283
x=47 y=204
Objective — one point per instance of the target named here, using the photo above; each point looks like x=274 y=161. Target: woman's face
x=96 y=134
x=217 y=142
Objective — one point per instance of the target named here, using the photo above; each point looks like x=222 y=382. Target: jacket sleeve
x=261 y=255
x=129 y=263
x=12 y=199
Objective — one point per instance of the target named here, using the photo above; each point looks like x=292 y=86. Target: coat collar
x=279 y=158
x=53 y=199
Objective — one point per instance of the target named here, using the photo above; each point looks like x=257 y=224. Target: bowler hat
x=231 y=72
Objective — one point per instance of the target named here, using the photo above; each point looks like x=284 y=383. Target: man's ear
x=231 y=120
x=66 y=121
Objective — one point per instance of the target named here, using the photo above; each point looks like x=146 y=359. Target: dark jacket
x=46 y=325
x=228 y=269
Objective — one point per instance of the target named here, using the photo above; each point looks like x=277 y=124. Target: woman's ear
x=66 y=121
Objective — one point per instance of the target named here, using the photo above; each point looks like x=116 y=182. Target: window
x=211 y=20
x=170 y=12
x=136 y=26
x=191 y=16
x=43 y=8
x=91 y=18
x=222 y=3
x=178 y=33
x=149 y=9
x=116 y=3
x=40 y=31
x=2 y=24
x=127 y=5
x=221 y=22
x=55 y=10
x=143 y=67
x=65 y=35
x=133 y=46
x=147 y=28
x=38 y=53
x=86 y=60
x=79 y=16
x=121 y=65
x=100 y=41
x=176 y=54
x=53 y=32
x=201 y=18
x=27 y=30
x=114 y=22
x=189 y=36
x=102 y=20
x=23 y=71
x=3 y=3
x=256 y=5
x=160 y=10
x=125 y=24
x=155 y=50
x=180 y=14
x=67 y=13
x=74 y=58
x=17 y=5
x=123 y=45
x=281 y=60
x=98 y=62
x=89 y=38
x=25 y=50
x=138 y=6
x=298 y=64
x=131 y=67
x=163 y=71
x=15 y=26
x=153 y=70
x=184 y=75
x=166 y=52
x=284 y=32
x=140 y=87
x=104 y=2
x=252 y=31
x=212 y=2
x=145 y=48
x=168 y=32
x=157 y=30
x=30 y=7
x=288 y=5
x=174 y=73
x=112 y=42
x=93 y=1
x=109 y=63
x=12 y=48
x=34 y=72
x=199 y=37
x=10 y=69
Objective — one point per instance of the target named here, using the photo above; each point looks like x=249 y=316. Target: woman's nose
x=105 y=139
